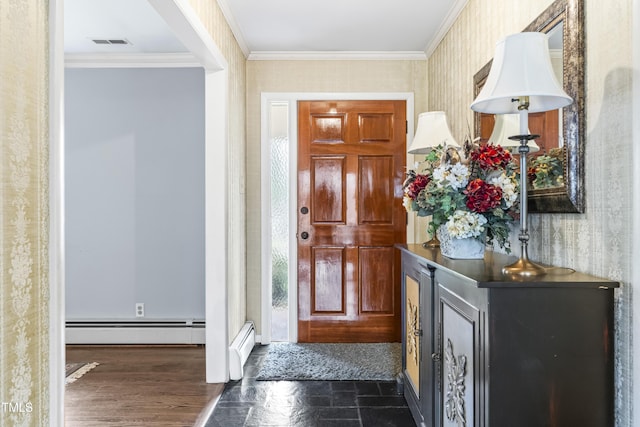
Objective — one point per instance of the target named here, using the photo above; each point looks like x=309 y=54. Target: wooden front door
x=351 y=165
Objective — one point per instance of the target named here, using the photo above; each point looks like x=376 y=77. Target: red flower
x=491 y=157
x=531 y=174
x=482 y=197
x=417 y=185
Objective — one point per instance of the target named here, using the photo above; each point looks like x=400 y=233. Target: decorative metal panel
x=458 y=340
x=412 y=331
x=456 y=373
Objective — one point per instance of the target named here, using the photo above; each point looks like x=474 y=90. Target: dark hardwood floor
x=139 y=386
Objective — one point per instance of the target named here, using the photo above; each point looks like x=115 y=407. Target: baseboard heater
x=135 y=332
x=240 y=349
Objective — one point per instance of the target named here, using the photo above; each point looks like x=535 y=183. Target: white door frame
x=56 y=213
x=265 y=191
x=189 y=29
x=635 y=273
x=187 y=26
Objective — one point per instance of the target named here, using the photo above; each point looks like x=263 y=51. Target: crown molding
x=447 y=23
x=336 y=56
x=235 y=28
x=135 y=60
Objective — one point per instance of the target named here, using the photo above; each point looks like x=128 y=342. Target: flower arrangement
x=545 y=171
x=473 y=194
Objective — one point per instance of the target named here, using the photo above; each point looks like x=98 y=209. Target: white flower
x=463 y=224
x=407 y=203
x=459 y=177
x=439 y=174
x=509 y=188
x=455 y=176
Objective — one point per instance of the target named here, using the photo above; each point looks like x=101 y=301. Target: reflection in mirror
x=555 y=50
x=556 y=169
x=505 y=127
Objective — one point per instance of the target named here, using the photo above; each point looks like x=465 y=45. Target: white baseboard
x=161 y=332
x=240 y=350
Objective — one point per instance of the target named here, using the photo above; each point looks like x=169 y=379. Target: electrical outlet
x=139 y=309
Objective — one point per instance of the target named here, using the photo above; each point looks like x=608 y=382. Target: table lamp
x=521 y=80
x=432 y=131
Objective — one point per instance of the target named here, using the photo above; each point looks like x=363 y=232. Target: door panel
x=376 y=127
x=327 y=181
x=376 y=189
x=376 y=280
x=327 y=288
x=328 y=129
x=351 y=163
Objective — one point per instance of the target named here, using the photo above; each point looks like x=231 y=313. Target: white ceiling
x=133 y=20
x=340 y=25
x=270 y=27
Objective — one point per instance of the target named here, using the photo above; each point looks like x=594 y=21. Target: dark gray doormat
x=331 y=362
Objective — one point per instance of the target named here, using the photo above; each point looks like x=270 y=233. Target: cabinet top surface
x=487 y=273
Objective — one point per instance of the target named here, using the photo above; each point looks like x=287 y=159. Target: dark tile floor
x=308 y=403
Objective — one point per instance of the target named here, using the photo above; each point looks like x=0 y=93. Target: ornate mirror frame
x=570 y=197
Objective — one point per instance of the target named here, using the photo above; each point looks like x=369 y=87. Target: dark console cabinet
x=480 y=349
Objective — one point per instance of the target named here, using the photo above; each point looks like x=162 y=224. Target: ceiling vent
x=112 y=41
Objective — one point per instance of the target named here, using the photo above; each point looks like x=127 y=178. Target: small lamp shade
x=432 y=131
x=509 y=125
x=521 y=67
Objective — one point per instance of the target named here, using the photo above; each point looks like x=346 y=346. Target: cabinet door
x=458 y=351
x=413 y=332
x=412 y=336
x=417 y=340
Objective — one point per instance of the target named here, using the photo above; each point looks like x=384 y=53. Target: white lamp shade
x=509 y=125
x=521 y=67
x=432 y=131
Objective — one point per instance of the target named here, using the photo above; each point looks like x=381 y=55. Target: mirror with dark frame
x=556 y=171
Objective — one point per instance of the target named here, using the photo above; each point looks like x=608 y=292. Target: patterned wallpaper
x=596 y=242
x=599 y=241
x=24 y=283
x=310 y=76
x=215 y=22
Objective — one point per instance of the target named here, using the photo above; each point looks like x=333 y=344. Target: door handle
x=304 y=235
x=304 y=210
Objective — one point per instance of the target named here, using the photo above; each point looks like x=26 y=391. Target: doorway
x=351 y=166
x=193 y=35
x=288 y=102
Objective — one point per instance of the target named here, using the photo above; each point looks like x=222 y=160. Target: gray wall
x=134 y=193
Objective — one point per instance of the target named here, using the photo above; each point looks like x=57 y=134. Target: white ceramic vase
x=452 y=247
